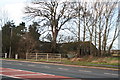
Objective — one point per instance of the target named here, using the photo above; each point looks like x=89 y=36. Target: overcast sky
x=14 y=9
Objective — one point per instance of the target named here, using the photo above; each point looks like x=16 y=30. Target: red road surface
x=28 y=75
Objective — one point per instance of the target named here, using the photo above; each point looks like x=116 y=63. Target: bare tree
x=116 y=34
x=52 y=14
x=105 y=15
x=97 y=24
x=27 y=44
x=3 y=17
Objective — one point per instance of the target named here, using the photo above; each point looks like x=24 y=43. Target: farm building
x=84 y=48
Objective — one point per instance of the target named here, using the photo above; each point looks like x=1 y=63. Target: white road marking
x=19 y=64
x=115 y=74
x=62 y=68
x=32 y=72
x=19 y=70
x=8 y=71
x=111 y=74
x=106 y=73
x=85 y=71
x=46 y=67
x=30 y=65
x=13 y=76
x=29 y=74
x=8 y=63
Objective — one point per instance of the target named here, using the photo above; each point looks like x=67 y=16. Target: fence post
x=16 y=56
x=26 y=56
x=5 y=55
x=47 y=57
x=36 y=56
x=60 y=57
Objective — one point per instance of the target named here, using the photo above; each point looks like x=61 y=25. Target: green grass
x=12 y=59
x=113 y=58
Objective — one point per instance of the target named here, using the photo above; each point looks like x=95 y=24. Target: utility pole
x=79 y=9
x=10 y=51
x=78 y=21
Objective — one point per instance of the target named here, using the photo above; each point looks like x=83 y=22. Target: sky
x=14 y=9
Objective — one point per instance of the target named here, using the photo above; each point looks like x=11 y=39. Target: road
x=61 y=70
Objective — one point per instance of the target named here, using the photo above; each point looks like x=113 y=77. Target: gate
x=43 y=56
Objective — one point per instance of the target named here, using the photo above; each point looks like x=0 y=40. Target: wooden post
x=26 y=56
x=16 y=56
x=36 y=56
x=47 y=57
x=5 y=55
x=60 y=57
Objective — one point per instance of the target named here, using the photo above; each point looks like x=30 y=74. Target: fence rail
x=46 y=56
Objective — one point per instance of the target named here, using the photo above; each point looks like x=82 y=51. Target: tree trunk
x=78 y=50
x=110 y=47
x=54 y=41
x=84 y=33
x=99 y=43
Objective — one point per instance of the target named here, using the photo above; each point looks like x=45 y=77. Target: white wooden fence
x=39 y=56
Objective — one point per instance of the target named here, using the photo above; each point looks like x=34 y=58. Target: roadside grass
x=12 y=59
x=85 y=61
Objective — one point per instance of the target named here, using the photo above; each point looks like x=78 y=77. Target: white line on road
x=85 y=71
x=111 y=74
x=13 y=76
x=115 y=74
x=8 y=63
x=46 y=67
x=29 y=74
x=19 y=64
x=62 y=68
x=8 y=71
x=29 y=71
x=30 y=65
